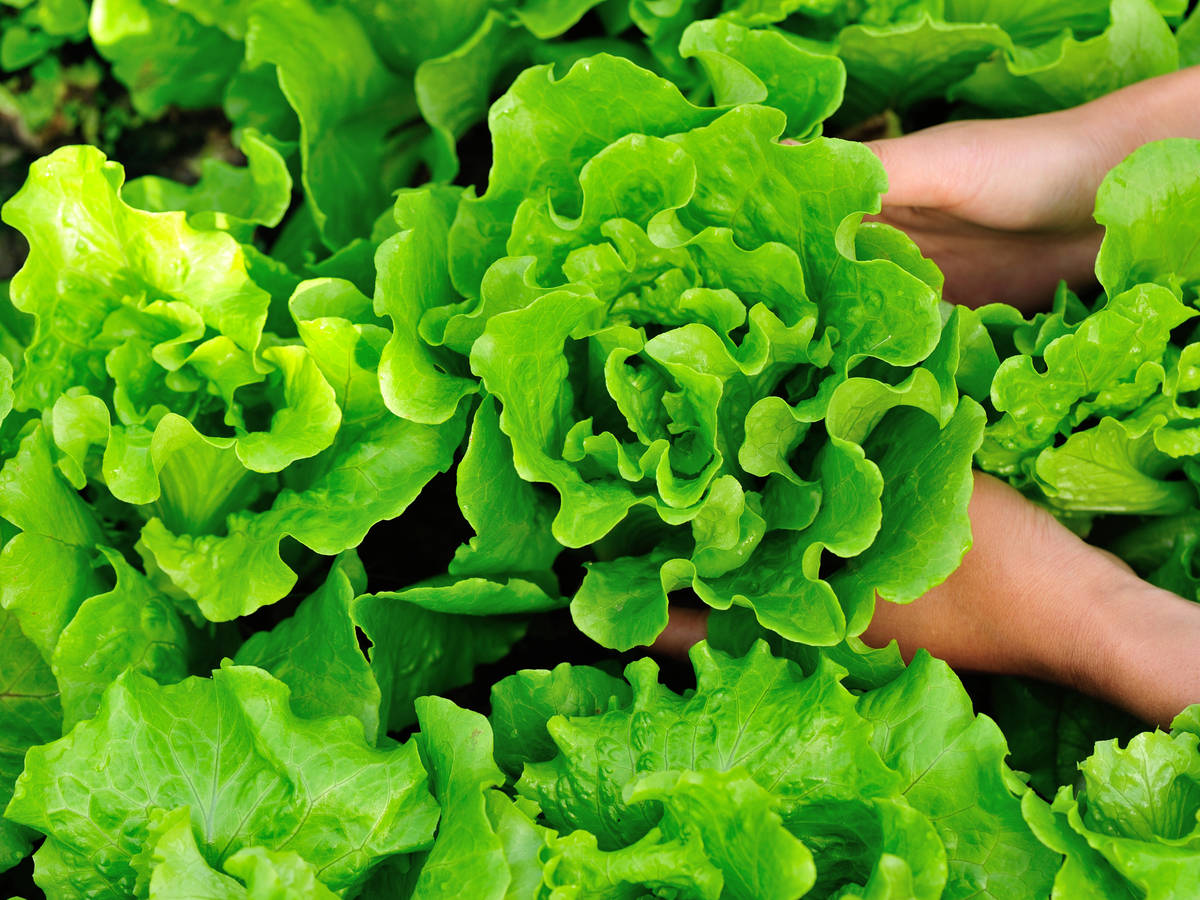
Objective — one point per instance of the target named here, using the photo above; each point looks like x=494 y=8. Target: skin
x=1031 y=598
x=1004 y=208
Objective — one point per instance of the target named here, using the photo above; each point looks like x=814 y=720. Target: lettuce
x=710 y=790
x=427 y=638
x=1004 y=58
x=1097 y=406
x=39 y=27
x=686 y=370
x=31 y=714
x=154 y=375
x=294 y=443
x=1130 y=828
x=220 y=765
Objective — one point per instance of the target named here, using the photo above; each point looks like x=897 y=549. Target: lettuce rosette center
x=689 y=335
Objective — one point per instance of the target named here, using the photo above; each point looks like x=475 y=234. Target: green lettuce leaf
x=736 y=822
x=132 y=627
x=348 y=105
x=953 y=770
x=524 y=702
x=1132 y=829
x=315 y=653
x=1140 y=243
x=1097 y=406
x=30 y=714
x=1068 y=71
x=49 y=568
x=38 y=27
x=485 y=843
x=230 y=198
x=799 y=738
x=376 y=466
x=894 y=66
x=172 y=866
x=94 y=256
x=1051 y=729
x=1188 y=36
x=231 y=750
x=165 y=56
x=426 y=639
x=171 y=863
x=656 y=347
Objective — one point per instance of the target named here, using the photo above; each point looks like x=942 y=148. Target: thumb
x=918 y=170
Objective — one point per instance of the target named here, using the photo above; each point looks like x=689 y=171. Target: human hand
x=1004 y=206
x=1032 y=598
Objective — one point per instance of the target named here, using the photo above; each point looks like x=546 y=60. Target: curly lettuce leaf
x=49 y=568
x=349 y=105
x=694 y=299
x=1141 y=244
x=952 y=765
x=751 y=66
x=797 y=737
x=524 y=702
x=131 y=627
x=423 y=640
x=93 y=255
x=315 y=653
x=957 y=832
x=252 y=773
x=1051 y=729
x=172 y=867
x=30 y=714
x=893 y=66
x=1068 y=71
x=163 y=55
x=511 y=520
x=1097 y=406
x=1131 y=828
x=485 y=844
x=418 y=383
x=376 y=466
x=736 y=821
x=231 y=198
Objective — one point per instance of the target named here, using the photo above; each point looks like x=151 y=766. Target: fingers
x=685 y=627
x=925 y=168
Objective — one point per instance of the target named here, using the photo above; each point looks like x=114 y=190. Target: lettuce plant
x=248 y=425
x=368 y=97
x=680 y=325
x=149 y=374
x=167 y=425
x=997 y=58
x=219 y=769
x=1129 y=829
x=35 y=28
x=845 y=796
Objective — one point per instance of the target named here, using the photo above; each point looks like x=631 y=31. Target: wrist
x=1137 y=650
x=1151 y=110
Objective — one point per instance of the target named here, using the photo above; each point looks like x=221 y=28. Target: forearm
x=1031 y=598
x=1164 y=107
x=1140 y=650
